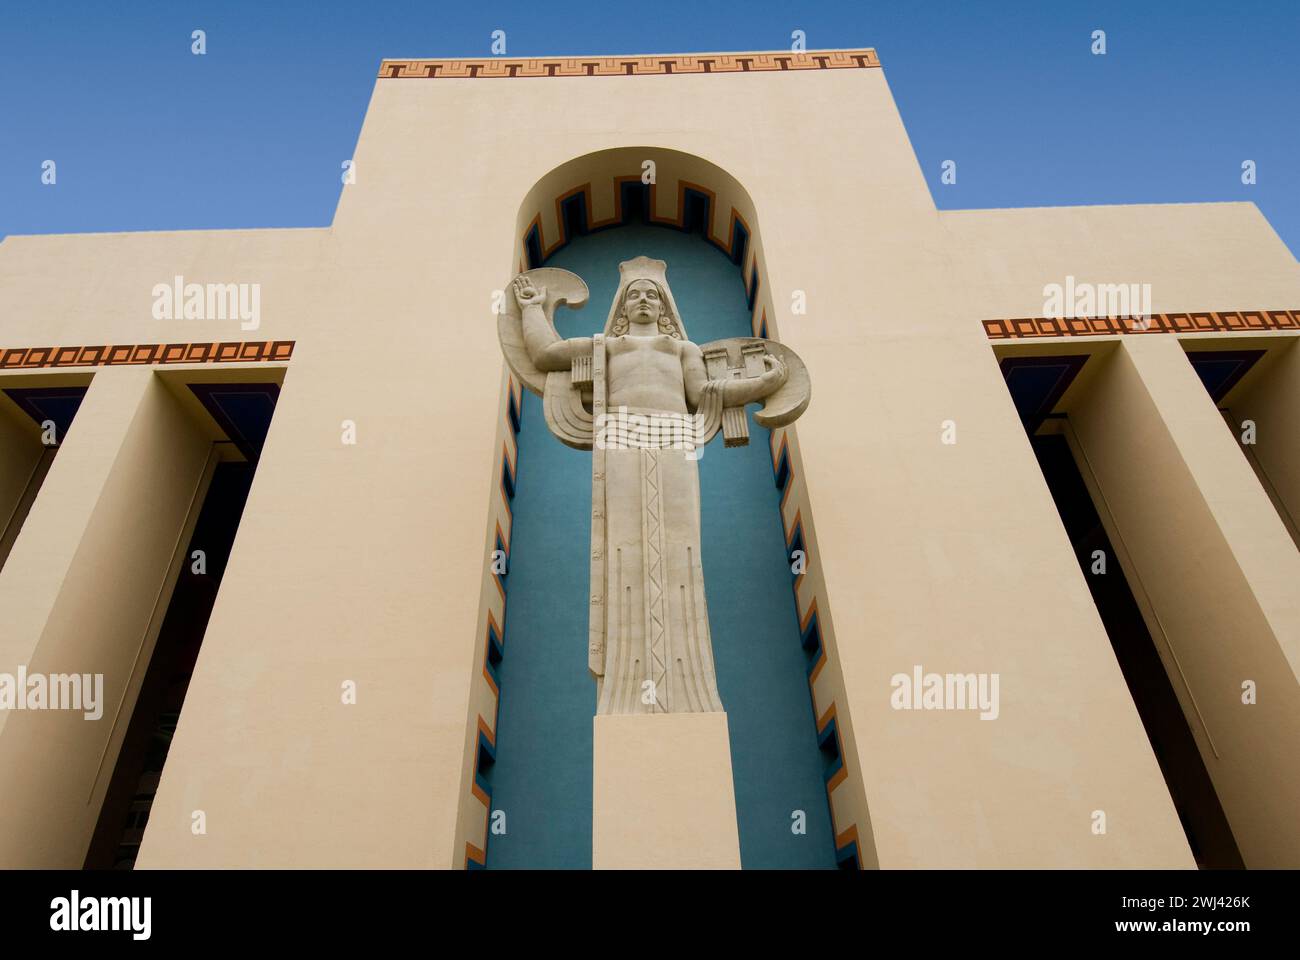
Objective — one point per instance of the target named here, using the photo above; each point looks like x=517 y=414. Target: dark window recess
x=514 y=424
x=635 y=199
x=739 y=243
x=695 y=218
x=52 y=409
x=574 y=209
x=782 y=472
x=846 y=857
x=56 y=405
x=1221 y=370
x=1180 y=761
x=131 y=791
x=533 y=248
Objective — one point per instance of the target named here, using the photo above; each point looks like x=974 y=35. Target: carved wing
x=570 y=421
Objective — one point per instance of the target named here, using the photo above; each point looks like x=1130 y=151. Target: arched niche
x=603 y=191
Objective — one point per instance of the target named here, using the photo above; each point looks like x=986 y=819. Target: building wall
x=368 y=562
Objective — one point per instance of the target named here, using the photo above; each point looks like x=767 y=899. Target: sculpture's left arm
x=735 y=393
x=694 y=376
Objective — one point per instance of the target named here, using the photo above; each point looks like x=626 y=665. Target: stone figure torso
x=645 y=373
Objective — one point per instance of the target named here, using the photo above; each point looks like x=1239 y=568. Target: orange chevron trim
x=487 y=731
x=673 y=220
x=474 y=788
x=826 y=718
x=474 y=853
x=817 y=670
x=795 y=524
x=840 y=775
x=807 y=615
x=850 y=835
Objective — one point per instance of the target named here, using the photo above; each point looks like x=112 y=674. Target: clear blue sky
x=149 y=137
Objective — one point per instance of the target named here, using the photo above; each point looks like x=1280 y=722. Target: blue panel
x=542 y=775
x=542 y=778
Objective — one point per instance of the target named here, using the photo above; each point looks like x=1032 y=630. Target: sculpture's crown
x=644 y=268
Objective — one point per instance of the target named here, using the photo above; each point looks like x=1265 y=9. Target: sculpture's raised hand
x=775 y=375
x=527 y=294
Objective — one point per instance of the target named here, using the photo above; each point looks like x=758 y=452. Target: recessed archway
x=586 y=215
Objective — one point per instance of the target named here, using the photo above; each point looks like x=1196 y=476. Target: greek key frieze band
x=238 y=351
x=1231 y=321
x=688 y=63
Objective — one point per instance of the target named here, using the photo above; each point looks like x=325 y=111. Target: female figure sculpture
x=645 y=400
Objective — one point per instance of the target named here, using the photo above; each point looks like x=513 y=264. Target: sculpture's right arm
x=548 y=350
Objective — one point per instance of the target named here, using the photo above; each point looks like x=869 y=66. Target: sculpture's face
x=642 y=304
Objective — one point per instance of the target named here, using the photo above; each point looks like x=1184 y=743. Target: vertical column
x=82 y=593
x=662 y=793
x=1216 y=573
x=1274 y=405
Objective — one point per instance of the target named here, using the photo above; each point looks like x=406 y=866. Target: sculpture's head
x=644 y=312
x=644 y=307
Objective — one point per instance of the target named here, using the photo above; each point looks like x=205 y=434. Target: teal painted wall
x=542 y=775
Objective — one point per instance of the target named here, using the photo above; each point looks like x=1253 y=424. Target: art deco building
x=1018 y=589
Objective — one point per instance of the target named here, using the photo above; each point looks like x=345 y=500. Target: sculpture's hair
x=667 y=322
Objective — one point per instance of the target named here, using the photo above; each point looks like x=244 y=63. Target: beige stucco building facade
x=931 y=535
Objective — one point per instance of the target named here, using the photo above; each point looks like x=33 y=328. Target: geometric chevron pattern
x=847 y=852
